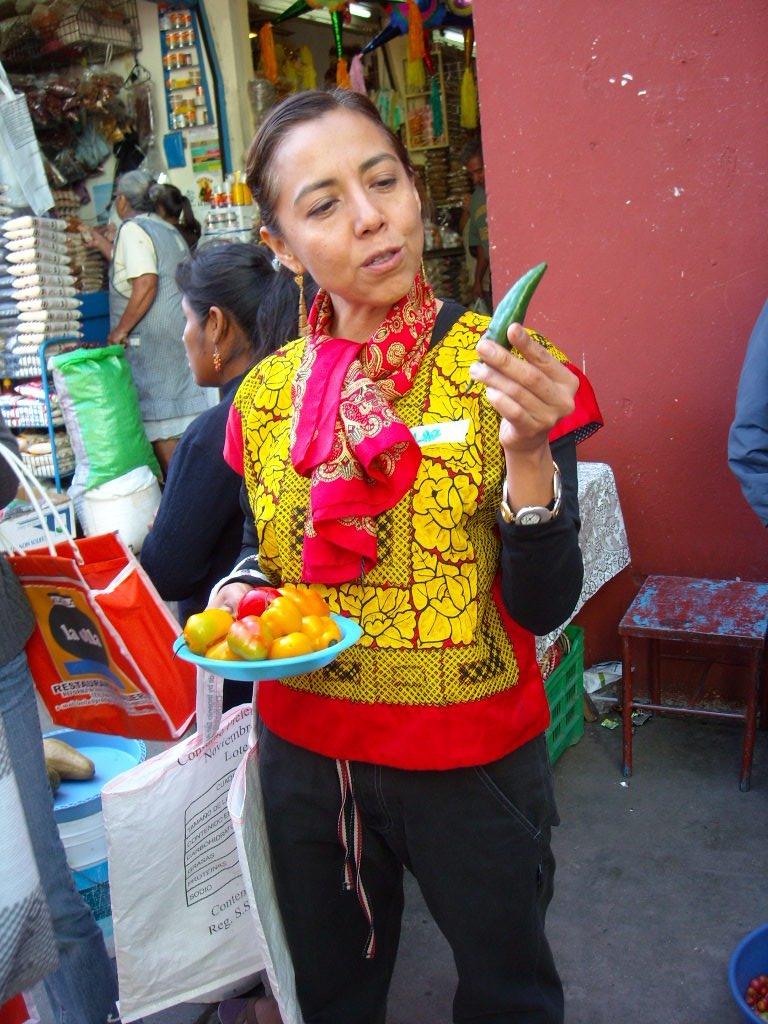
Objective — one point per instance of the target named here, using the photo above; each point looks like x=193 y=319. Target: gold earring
x=216 y=359
x=303 y=328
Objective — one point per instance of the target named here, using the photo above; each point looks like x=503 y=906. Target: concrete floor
x=657 y=882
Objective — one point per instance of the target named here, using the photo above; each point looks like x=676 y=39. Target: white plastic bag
x=179 y=903
x=252 y=844
x=19 y=151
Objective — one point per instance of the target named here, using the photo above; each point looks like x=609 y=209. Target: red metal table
x=727 y=613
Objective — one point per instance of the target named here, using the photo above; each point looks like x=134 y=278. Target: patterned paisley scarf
x=360 y=458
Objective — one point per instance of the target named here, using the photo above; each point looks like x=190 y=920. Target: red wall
x=649 y=200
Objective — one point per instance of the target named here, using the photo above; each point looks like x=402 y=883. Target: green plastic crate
x=565 y=688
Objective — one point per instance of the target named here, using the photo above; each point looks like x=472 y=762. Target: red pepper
x=256 y=600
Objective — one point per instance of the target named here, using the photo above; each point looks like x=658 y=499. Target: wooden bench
x=726 y=613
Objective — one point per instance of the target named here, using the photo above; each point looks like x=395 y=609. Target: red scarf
x=360 y=458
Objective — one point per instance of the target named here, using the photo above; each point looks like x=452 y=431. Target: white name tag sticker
x=452 y=432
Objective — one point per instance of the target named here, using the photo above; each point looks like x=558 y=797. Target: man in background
x=748 y=438
x=475 y=218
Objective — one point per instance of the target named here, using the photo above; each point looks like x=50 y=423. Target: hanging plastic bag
x=183 y=932
x=246 y=809
x=19 y=152
x=101 y=652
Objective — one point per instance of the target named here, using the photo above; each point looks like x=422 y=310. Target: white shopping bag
x=247 y=812
x=21 y=166
x=179 y=901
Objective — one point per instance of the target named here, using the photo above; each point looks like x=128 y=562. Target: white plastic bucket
x=85 y=844
x=84 y=840
x=77 y=810
x=126 y=504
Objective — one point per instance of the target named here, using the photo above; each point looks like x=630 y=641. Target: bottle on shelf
x=199 y=106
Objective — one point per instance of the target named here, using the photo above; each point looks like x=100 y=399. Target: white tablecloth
x=603 y=537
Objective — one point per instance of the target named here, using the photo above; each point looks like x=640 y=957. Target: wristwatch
x=533 y=515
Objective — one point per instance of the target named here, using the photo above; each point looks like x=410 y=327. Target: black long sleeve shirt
x=199 y=514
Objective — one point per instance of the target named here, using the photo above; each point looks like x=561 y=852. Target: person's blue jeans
x=83 y=988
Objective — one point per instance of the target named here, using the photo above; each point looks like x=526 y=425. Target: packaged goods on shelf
x=38 y=458
x=94 y=272
x=39 y=309
x=24 y=407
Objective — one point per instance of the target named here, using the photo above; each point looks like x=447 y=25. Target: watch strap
x=531 y=515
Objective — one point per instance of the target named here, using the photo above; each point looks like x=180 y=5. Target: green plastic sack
x=100 y=407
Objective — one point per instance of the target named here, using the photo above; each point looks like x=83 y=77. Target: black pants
x=476 y=839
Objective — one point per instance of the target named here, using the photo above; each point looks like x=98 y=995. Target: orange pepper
x=309 y=601
x=331 y=633
x=314 y=627
x=292 y=645
x=221 y=651
x=283 y=616
x=206 y=628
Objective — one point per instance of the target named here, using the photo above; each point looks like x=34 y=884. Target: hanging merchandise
x=342 y=75
x=357 y=75
x=262 y=97
x=436 y=103
x=425 y=115
x=414 y=75
x=20 y=149
x=294 y=11
x=139 y=97
x=334 y=7
x=69 y=110
x=460 y=8
x=268 y=55
x=308 y=72
x=290 y=68
x=469 y=110
x=432 y=13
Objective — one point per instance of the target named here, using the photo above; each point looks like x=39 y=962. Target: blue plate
x=276 y=668
x=111 y=755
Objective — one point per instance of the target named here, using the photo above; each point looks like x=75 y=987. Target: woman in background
x=173 y=206
x=198 y=527
x=237 y=311
x=145 y=315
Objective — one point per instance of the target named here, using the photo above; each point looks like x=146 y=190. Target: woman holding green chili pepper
x=405 y=465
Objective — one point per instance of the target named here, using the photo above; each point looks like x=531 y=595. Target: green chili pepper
x=514 y=305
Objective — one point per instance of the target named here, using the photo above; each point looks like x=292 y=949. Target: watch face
x=528 y=517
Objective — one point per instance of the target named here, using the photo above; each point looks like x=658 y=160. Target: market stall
x=416 y=63
x=109 y=85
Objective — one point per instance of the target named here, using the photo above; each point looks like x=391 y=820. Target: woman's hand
x=229 y=596
x=530 y=394
x=117 y=337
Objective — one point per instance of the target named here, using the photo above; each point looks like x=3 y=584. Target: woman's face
x=199 y=347
x=123 y=207
x=347 y=212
